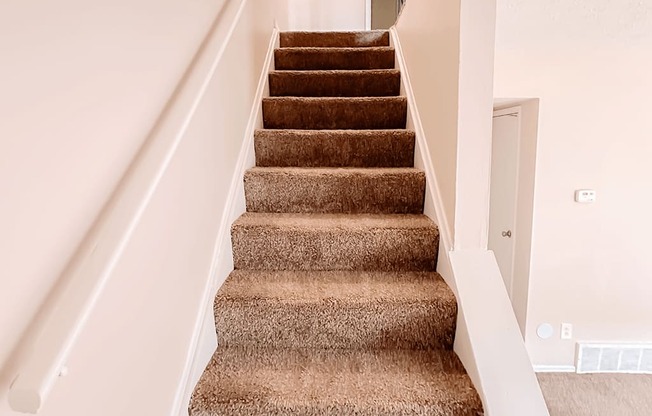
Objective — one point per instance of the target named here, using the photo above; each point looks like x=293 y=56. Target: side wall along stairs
x=334 y=306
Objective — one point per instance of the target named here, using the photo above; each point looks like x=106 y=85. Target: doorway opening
x=382 y=14
x=511 y=207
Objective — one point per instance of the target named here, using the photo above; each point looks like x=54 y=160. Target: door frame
x=525 y=196
x=512 y=112
x=367 y=15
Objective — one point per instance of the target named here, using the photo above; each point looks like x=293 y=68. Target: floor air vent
x=614 y=358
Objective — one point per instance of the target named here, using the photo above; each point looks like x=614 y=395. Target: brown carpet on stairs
x=314 y=382
x=334 y=148
x=352 y=83
x=335 y=190
x=334 y=39
x=408 y=310
x=321 y=113
x=334 y=306
x=390 y=242
x=334 y=58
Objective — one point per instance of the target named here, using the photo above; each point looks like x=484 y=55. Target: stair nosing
x=338 y=131
x=371 y=98
x=337 y=48
x=338 y=170
x=335 y=71
x=328 y=221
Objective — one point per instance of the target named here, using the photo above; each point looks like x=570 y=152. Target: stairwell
x=334 y=306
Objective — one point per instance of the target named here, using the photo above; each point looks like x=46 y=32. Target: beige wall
x=326 y=15
x=445 y=50
x=434 y=25
x=82 y=87
x=474 y=125
x=589 y=63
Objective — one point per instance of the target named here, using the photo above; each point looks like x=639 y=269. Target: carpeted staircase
x=334 y=306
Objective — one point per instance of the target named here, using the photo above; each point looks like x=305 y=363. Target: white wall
x=83 y=86
x=433 y=26
x=589 y=63
x=326 y=15
x=445 y=50
x=477 y=31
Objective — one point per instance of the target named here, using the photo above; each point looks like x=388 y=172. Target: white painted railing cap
x=23 y=400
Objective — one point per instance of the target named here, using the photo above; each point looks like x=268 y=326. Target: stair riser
x=337 y=325
x=324 y=59
x=334 y=113
x=334 y=149
x=334 y=40
x=244 y=381
x=272 y=248
x=343 y=409
x=331 y=84
x=283 y=191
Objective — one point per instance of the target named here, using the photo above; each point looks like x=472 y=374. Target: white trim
x=431 y=177
x=516 y=112
x=69 y=309
x=554 y=368
x=367 y=15
x=198 y=357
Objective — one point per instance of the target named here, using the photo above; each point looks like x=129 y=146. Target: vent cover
x=614 y=358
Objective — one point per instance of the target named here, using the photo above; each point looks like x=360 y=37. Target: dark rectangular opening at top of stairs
x=335 y=306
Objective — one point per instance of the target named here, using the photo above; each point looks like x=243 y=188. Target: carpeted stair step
x=333 y=58
x=335 y=383
x=335 y=190
x=335 y=309
x=334 y=148
x=389 y=242
x=310 y=113
x=369 y=83
x=334 y=39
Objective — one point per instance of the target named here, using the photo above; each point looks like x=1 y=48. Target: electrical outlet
x=566 y=331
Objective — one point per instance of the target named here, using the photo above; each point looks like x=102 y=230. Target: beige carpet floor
x=597 y=394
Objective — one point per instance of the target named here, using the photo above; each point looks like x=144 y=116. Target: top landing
x=372 y=38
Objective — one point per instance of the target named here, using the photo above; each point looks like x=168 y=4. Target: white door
x=504 y=182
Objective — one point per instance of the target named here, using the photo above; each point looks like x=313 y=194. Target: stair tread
x=334 y=32
x=334 y=171
x=320 y=221
x=335 y=382
x=334 y=148
x=337 y=49
x=335 y=190
x=326 y=113
x=335 y=83
x=337 y=100
x=324 y=58
x=336 y=72
x=337 y=310
x=334 y=132
x=328 y=286
x=337 y=38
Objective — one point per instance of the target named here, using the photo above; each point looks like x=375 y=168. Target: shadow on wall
x=385 y=12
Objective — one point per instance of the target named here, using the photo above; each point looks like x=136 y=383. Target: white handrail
x=84 y=281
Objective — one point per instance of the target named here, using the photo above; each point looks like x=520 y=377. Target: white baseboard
x=204 y=338
x=554 y=368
